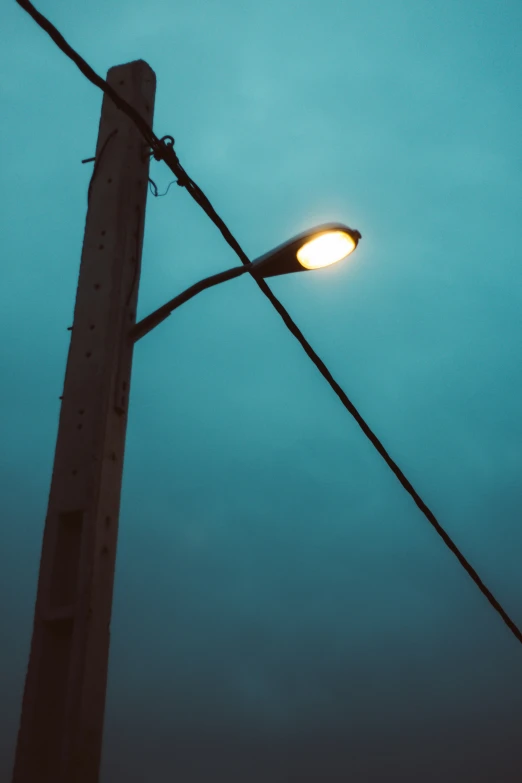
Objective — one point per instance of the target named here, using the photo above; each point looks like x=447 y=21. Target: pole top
x=134 y=67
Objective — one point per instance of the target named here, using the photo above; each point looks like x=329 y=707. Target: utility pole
x=61 y=726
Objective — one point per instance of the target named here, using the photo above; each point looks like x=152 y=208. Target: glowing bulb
x=325 y=249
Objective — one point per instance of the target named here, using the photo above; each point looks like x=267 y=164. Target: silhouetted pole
x=61 y=727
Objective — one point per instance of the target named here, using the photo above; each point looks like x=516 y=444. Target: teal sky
x=282 y=611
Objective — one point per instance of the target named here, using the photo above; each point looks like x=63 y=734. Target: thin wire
x=137 y=254
x=154 y=188
x=163 y=149
x=97 y=160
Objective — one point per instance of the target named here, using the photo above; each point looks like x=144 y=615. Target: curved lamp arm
x=282 y=260
x=146 y=324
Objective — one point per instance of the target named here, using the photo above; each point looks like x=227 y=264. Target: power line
x=87 y=71
x=163 y=149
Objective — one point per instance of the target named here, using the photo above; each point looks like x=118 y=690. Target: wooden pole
x=61 y=726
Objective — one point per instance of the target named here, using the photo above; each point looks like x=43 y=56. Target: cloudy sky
x=282 y=611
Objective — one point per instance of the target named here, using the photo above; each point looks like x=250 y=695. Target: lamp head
x=313 y=249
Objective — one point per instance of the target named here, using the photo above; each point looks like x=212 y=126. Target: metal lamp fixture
x=312 y=249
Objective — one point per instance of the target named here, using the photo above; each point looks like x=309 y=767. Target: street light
x=313 y=249
x=61 y=723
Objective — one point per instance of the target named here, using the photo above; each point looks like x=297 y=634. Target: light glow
x=325 y=249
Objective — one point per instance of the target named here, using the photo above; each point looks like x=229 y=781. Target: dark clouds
x=282 y=611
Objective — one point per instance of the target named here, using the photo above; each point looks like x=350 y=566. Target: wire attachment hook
x=158 y=151
x=164 y=150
